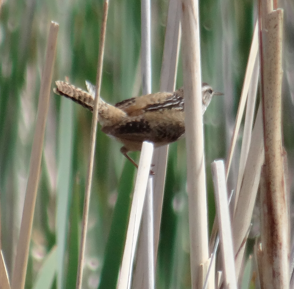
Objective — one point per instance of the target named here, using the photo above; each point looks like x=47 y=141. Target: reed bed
x=149 y=47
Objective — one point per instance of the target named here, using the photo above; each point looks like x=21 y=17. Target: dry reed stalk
x=274 y=209
x=20 y=264
x=207 y=276
x=247 y=133
x=212 y=260
x=92 y=148
x=196 y=179
x=167 y=83
x=248 y=76
x=258 y=259
x=245 y=89
x=225 y=231
x=146 y=46
x=144 y=269
x=144 y=273
x=248 y=191
x=135 y=216
x=4 y=280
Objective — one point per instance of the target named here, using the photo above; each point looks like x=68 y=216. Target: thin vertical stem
x=145 y=252
x=167 y=83
x=248 y=191
x=146 y=46
x=92 y=148
x=225 y=232
x=135 y=216
x=20 y=267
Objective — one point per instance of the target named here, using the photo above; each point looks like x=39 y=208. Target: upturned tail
x=108 y=114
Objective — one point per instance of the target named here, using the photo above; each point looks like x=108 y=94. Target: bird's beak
x=218 y=93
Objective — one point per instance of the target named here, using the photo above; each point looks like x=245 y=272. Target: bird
x=158 y=117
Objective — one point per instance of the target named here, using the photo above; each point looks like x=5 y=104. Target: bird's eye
x=210 y=91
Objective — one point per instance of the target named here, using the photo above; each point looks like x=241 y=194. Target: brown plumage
x=158 y=117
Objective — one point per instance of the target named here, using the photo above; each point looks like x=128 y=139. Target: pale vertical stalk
x=171 y=47
x=167 y=83
x=196 y=180
x=248 y=77
x=225 y=232
x=209 y=278
x=144 y=270
x=146 y=46
x=135 y=216
x=20 y=264
x=4 y=280
x=149 y=233
x=92 y=148
x=249 y=117
x=209 y=267
x=274 y=225
x=248 y=191
x=246 y=85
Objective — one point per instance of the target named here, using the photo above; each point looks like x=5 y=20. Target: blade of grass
x=73 y=239
x=19 y=272
x=116 y=239
x=64 y=184
x=247 y=274
x=47 y=273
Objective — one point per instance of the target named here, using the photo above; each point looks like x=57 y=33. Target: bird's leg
x=124 y=151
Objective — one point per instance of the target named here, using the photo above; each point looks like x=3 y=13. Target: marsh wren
x=158 y=117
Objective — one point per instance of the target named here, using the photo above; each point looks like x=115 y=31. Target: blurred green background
x=226 y=32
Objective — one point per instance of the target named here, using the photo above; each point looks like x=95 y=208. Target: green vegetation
x=24 y=29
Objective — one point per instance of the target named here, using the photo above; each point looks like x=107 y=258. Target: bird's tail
x=108 y=114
